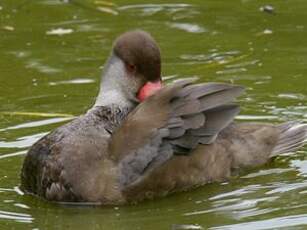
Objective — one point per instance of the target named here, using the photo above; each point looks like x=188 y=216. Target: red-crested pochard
x=132 y=145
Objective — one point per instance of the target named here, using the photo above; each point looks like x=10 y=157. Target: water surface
x=52 y=53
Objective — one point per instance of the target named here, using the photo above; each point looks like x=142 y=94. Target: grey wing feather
x=197 y=114
x=217 y=119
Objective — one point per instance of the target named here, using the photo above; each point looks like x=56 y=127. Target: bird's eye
x=131 y=68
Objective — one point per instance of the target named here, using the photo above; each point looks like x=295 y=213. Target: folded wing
x=172 y=122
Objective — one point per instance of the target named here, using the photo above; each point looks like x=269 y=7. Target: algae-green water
x=51 y=57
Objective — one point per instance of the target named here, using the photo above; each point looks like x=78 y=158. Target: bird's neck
x=112 y=90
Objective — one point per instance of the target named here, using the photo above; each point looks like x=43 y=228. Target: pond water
x=51 y=56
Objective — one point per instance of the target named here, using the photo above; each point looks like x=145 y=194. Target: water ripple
x=248 y=204
x=295 y=96
x=21 y=206
x=256 y=117
x=2 y=156
x=187 y=27
x=59 y=31
x=253 y=212
x=267 y=172
x=73 y=81
x=280 y=222
x=238 y=192
x=293 y=112
x=301 y=166
x=19 y=217
x=231 y=71
x=40 y=67
x=22 y=142
x=186 y=227
x=176 y=11
x=284 y=187
x=37 y=123
x=159 y=6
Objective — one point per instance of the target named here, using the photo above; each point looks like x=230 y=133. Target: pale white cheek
x=135 y=83
x=117 y=86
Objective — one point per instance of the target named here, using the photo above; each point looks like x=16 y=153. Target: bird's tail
x=293 y=135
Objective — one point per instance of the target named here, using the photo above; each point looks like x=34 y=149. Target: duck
x=142 y=140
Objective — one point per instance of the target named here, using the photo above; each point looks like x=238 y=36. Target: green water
x=51 y=54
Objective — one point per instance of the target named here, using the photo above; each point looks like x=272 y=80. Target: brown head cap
x=138 y=48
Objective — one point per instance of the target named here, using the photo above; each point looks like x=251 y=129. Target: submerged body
x=89 y=175
x=127 y=150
